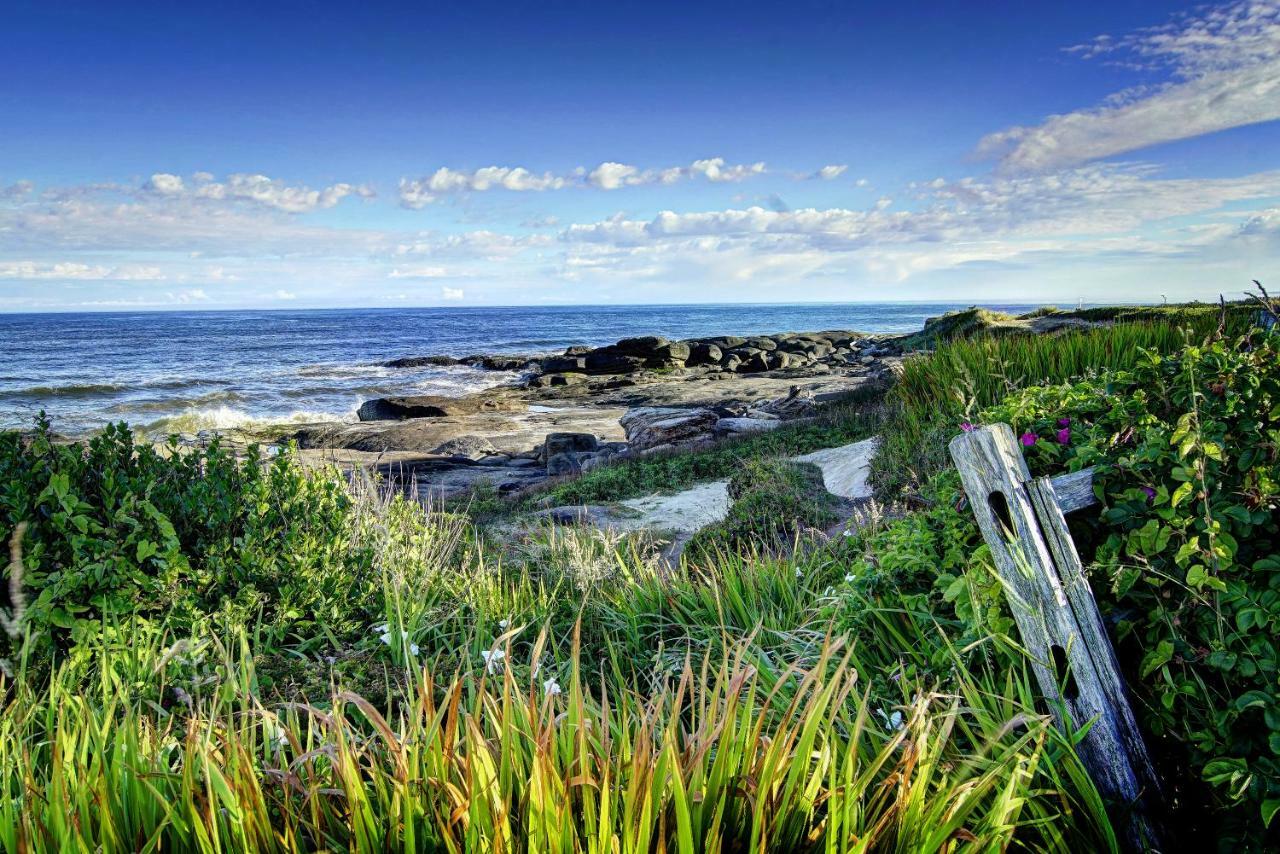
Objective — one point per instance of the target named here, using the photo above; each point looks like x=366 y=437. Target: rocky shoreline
x=569 y=412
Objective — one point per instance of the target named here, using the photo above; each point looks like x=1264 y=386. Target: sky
x=297 y=155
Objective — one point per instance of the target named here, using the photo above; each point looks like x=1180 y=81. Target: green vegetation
x=774 y=502
x=855 y=417
x=1187 y=549
x=937 y=391
x=210 y=652
x=558 y=692
x=967 y=323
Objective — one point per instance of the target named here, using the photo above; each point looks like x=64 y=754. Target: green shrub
x=775 y=501
x=118 y=530
x=1187 y=563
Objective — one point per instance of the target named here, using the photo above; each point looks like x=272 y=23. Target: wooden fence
x=1023 y=522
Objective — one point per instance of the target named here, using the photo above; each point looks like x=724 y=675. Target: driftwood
x=1023 y=523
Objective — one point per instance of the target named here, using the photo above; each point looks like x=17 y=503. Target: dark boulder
x=420 y=362
x=645 y=345
x=561 y=443
x=606 y=360
x=563 y=465
x=676 y=351
x=432 y=406
x=564 y=364
x=704 y=353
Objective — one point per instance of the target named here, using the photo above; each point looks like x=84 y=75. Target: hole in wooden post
x=1062 y=669
x=1000 y=507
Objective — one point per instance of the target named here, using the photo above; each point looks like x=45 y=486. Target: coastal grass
x=559 y=691
x=937 y=391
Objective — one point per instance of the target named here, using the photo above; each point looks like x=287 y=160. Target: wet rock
x=609 y=361
x=433 y=406
x=563 y=364
x=421 y=362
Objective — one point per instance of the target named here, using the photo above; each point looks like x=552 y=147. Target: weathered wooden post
x=1022 y=522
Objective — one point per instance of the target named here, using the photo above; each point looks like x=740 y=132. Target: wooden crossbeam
x=1022 y=520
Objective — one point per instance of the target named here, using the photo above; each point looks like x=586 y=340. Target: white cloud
x=417 y=193
x=418 y=273
x=69 y=270
x=258 y=189
x=830 y=173
x=1225 y=66
x=1096 y=211
x=282 y=294
x=611 y=176
x=16 y=190
x=451 y=293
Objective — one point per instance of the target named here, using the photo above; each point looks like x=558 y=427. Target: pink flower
x=967 y=427
x=1064 y=436
x=1064 y=422
x=1029 y=439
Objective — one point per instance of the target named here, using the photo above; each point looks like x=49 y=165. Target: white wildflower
x=493 y=659
x=849 y=577
x=551 y=687
x=504 y=624
x=413 y=648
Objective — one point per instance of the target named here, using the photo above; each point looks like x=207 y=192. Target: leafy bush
x=937 y=391
x=118 y=530
x=1187 y=563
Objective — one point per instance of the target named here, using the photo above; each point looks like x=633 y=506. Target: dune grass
x=560 y=691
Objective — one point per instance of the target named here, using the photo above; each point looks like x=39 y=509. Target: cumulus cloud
x=418 y=273
x=417 y=193
x=270 y=193
x=1092 y=211
x=830 y=173
x=282 y=294
x=451 y=294
x=1224 y=66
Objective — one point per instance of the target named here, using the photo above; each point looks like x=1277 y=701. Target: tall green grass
x=556 y=692
x=937 y=391
x=710 y=757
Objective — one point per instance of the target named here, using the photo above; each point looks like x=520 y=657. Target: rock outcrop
x=651 y=427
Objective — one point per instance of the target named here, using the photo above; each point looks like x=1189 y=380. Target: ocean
x=165 y=372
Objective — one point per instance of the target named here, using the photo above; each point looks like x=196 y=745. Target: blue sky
x=294 y=155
